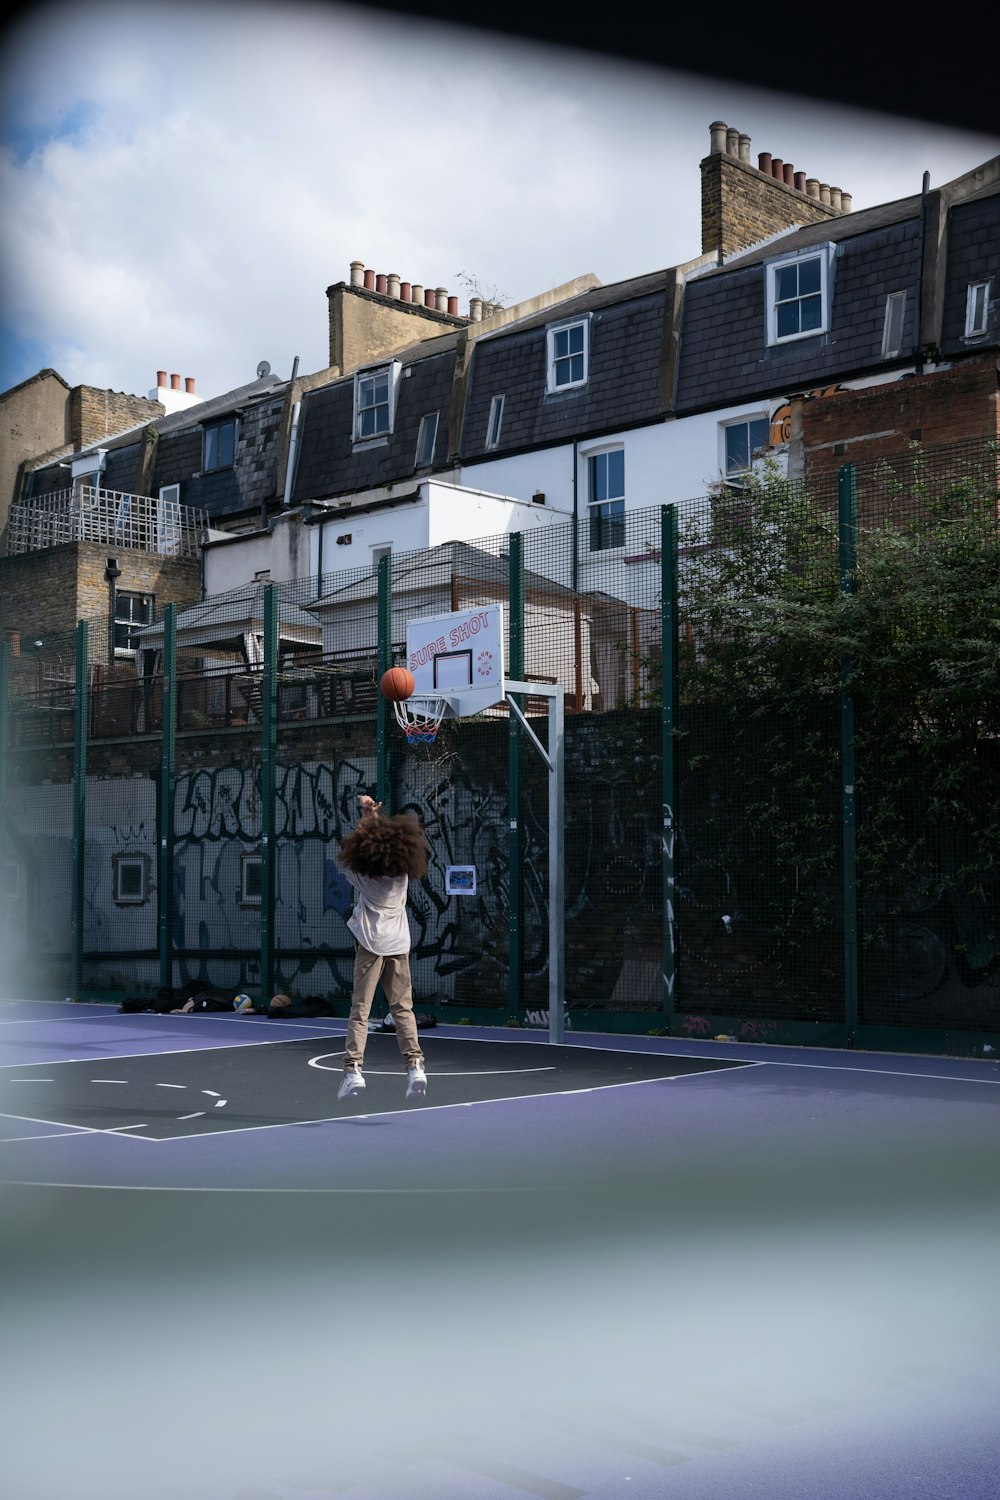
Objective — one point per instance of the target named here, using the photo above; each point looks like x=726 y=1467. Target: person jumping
x=379 y=858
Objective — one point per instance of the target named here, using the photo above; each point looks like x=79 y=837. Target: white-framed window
x=130 y=875
x=740 y=442
x=798 y=295
x=168 y=520
x=568 y=354
x=977 y=308
x=380 y=550
x=494 y=423
x=892 y=328
x=606 y=499
x=219 y=446
x=375 y=402
x=251 y=879
x=132 y=611
x=426 y=438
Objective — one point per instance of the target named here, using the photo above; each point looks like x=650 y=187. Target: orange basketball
x=397 y=684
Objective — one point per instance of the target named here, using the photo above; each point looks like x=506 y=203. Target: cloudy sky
x=181 y=183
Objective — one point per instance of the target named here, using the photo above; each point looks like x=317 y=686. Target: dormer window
x=374 y=402
x=426 y=439
x=798 y=295
x=977 y=309
x=568 y=354
x=219 y=446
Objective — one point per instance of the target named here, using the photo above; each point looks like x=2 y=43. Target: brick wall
x=45 y=594
x=95 y=414
x=883 y=421
x=740 y=205
x=367 y=326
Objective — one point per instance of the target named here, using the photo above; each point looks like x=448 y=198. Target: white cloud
x=184 y=182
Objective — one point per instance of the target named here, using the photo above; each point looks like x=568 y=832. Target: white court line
x=317 y=1062
x=56 y=1062
x=62 y=1125
x=142 y=1187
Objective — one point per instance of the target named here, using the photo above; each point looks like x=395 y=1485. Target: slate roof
x=973 y=255
x=623 y=387
x=724 y=355
x=329 y=462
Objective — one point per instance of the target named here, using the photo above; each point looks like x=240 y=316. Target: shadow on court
x=193 y=1093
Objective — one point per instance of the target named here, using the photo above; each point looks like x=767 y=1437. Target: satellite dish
x=263 y=369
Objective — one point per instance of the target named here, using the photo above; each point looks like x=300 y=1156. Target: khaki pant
x=394 y=971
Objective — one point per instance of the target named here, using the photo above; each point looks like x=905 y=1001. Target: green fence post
x=847 y=515
x=515 y=842
x=168 y=772
x=268 y=781
x=80 y=715
x=383 y=746
x=668 y=716
x=5 y=725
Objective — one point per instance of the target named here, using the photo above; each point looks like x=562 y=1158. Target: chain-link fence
x=795 y=833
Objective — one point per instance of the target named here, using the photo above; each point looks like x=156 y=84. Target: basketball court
x=618 y=1266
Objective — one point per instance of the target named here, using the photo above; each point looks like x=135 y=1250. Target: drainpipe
x=576 y=539
x=918 y=364
x=293 y=443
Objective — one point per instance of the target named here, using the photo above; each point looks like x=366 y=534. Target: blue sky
x=182 y=183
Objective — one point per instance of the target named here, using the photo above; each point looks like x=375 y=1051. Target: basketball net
x=420 y=724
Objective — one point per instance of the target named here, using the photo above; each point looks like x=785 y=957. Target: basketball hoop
x=420 y=724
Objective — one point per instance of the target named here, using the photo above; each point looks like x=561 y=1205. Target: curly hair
x=386 y=846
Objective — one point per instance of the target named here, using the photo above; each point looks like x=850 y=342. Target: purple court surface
x=626 y=1266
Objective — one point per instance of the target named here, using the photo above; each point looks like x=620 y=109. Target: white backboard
x=460 y=656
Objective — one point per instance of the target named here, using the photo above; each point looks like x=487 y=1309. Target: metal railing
x=143 y=523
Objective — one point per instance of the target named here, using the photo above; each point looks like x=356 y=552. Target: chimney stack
x=739 y=208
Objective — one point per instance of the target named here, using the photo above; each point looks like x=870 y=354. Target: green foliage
x=769 y=645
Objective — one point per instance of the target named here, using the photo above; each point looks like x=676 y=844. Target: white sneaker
x=416 y=1082
x=353 y=1083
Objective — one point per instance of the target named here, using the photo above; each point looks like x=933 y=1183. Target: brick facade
x=95 y=414
x=883 y=421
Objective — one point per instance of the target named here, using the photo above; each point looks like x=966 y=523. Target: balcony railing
x=140 y=522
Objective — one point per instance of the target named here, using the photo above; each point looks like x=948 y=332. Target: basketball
x=397 y=684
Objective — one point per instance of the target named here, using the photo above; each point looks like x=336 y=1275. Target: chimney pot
x=846 y=199
x=824 y=193
x=175 y=382
x=800 y=181
x=789 y=172
x=777 y=166
x=476 y=309
x=380 y=283
x=812 y=187
x=404 y=291
x=835 y=198
x=744 y=148
x=732 y=141
x=161 y=378
x=189 y=384
x=369 y=281
x=453 y=306
x=429 y=298
x=441 y=299
x=764 y=162
x=717 y=136
x=417 y=293
x=392 y=284
x=357 y=273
